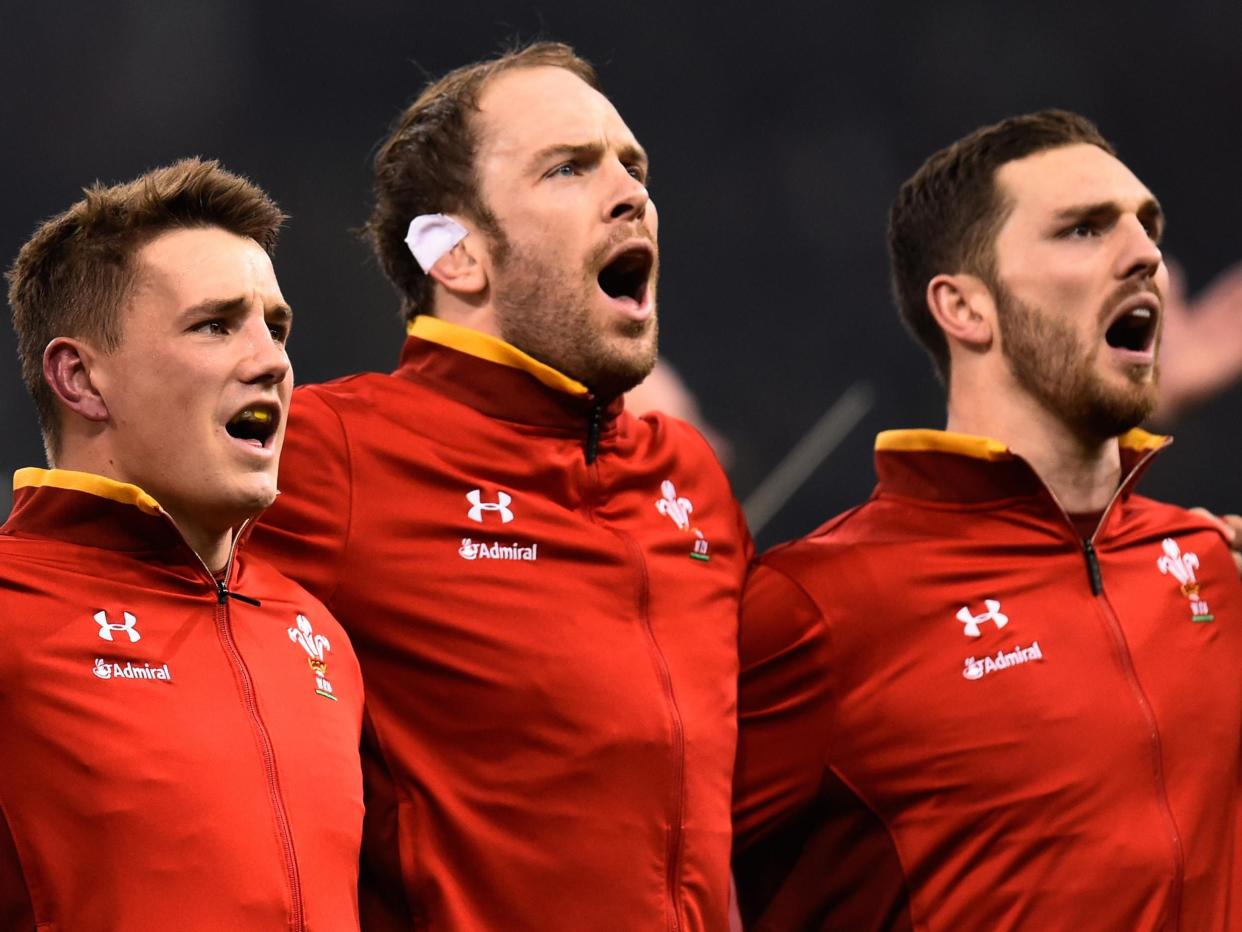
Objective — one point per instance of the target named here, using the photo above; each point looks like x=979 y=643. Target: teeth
x=1144 y=312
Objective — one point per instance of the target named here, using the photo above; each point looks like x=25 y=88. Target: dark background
x=778 y=134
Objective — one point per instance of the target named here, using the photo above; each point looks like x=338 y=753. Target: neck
x=1083 y=473
x=210 y=543
x=211 y=546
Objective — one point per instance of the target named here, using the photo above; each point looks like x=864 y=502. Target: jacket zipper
x=673 y=852
x=224 y=630
x=592 y=439
x=1096 y=581
x=673 y=855
x=297 y=918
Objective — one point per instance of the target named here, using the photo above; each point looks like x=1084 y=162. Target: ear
x=67 y=370
x=463 y=270
x=963 y=307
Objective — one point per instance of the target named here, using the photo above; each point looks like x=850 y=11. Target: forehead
x=1056 y=179
x=527 y=109
x=186 y=266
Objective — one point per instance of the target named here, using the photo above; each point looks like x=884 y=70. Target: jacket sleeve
x=306 y=532
x=783 y=704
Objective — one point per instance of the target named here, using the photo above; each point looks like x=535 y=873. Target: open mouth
x=1134 y=330
x=255 y=424
x=627 y=275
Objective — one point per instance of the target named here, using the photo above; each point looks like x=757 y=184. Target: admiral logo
x=977 y=668
x=472 y=550
x=111 y=670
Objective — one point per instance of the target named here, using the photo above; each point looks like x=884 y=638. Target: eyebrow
x=629 y=152
x=225 y=306
x=1150 y=212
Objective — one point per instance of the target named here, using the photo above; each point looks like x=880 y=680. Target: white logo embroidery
x=972 y=622
x=977 y=669
x=674 y=506
x=109 y=670
x=470 y=550
x=314 y=645
x=478 y=506
x=106 y=627
x=1182 y=566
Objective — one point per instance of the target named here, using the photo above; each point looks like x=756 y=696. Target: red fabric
x=550 y=741
x=1096 y=787
x=141 y=803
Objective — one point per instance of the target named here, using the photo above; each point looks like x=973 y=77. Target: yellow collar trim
x=485 y=346
x=940 y=441
x=1141 y=440
x=123 y=492
x=985 y=448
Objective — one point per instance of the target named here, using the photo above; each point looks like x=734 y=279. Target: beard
x=550 y=312
x=1049 y=361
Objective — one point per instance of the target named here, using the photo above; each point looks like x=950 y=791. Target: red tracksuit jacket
x=549 y=639
x=171 y=759
x=956 y=714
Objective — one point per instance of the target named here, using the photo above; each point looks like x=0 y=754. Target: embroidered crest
x=1182 y=566
x=678 y=509
x=314 y=645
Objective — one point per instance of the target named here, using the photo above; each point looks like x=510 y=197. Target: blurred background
x=778 y=132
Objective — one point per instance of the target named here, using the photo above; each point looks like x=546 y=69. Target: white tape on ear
x=431 y=236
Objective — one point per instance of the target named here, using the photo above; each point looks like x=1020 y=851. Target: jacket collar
x=93 y=511
x=496 y=377
x=937 y=465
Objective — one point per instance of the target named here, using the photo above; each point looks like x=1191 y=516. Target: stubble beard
x=545 y=311
x=1048 y=360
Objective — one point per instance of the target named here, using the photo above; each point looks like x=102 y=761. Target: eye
x=1082 y=230
x=564 y=170
x=637 y=172
x=216 y=326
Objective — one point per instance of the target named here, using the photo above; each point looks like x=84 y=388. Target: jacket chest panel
x=1006 y=674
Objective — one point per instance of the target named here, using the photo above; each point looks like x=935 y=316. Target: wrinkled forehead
x=1054 y=180
x=527 y=109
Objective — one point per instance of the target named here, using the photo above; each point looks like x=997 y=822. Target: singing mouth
x=628 y=273
x=1135 y=327
x=255 y=424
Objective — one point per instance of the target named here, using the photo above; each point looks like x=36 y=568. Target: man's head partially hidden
x=1025 y=260
x=151 y=333
x=559 y=257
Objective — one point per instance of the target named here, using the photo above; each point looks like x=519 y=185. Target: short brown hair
x=947 y=215
x=73 y=275
x=426 y=165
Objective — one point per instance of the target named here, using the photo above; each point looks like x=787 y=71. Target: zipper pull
x=223 y=594
x=592 y=444
x=1093 y=566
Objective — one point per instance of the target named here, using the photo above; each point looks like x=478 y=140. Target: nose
x=267 y=362
x=628 y=197
x=1139 y=256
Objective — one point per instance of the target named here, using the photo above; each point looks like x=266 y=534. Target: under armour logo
x=106 y=627
x=972 y=622
x=478 y=506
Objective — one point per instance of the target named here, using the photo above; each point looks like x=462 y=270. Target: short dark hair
x=73 y=275
x=427 y=163
x=947 y=215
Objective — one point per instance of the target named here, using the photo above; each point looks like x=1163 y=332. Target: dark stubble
x=1048 y=359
